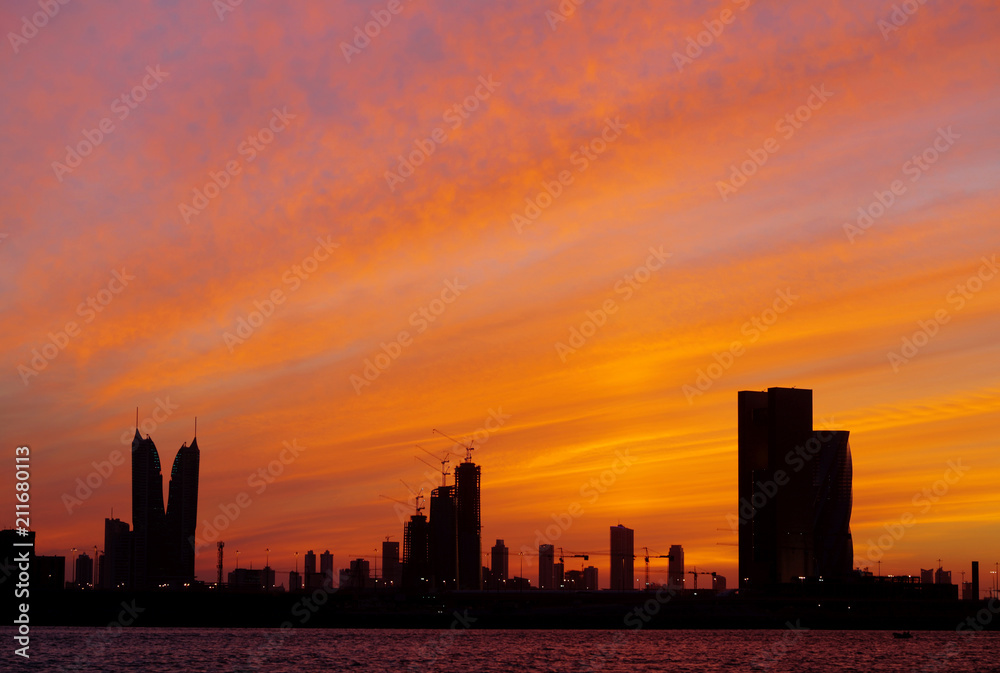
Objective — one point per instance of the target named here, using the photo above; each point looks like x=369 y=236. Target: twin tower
x=163 y=538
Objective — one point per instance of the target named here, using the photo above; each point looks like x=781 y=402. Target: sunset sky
x=698 y=200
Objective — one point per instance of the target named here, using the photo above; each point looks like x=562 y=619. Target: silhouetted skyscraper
x=590 y=578
x=675 y=567
x=975 y=580
x=182 y=512
x=392 y=571
x=794 y=491
x=117 y=561
x=467 y=516
x=622 y=558
x=416 y=552
x=499 y=555
x=443 y=538
x=546 y=563
x=148 y=515
x=84 y=571
x=326 y=569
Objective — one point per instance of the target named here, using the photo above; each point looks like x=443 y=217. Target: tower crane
x=468 y=449
x=695 y=572
x=417 y=498
x=646 y=549
x=444 y=463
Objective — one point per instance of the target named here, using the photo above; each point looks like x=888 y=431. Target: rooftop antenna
x=196 y=427
x=137 y=419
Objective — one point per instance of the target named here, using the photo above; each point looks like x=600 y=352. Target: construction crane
x=444 y=463
x=696 y=573
x=468 y=449
x=585 y=557
x=417 y=499
x=646 y=549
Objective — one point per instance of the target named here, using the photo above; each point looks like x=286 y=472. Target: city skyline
x=599 y=248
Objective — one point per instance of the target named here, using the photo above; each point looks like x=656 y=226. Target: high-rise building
x=622 y=558
x=309 y=575
x=927 y=575
x=468 y=526
x=416 y=552
x=359 y=574
x=148 y=515
x=49 y=573
x=84 y=572
x=443 y=538
x=499 y=558
x=590 y=578
x=675 y=567
x=392 y=572
x=975 y=580
x=294 y=580
x=117 y=561
x=546 y=571
x=795 y=493
x=559 y=575
x=182 y=512
x=326 y=569
x=718 y=582
x=942 y=576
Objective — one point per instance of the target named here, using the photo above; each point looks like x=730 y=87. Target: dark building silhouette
x=546 y=563
x=116 y=563
x=294 y=581
x=468 y=525
x=499 y=557
x=248 y=579
x=416 y=552
x=310 y=576
x=182 y=512
x=622 y=558
x=359 y=574
x=795 y=493
x=443 y=538
x=49 y=573
x=148 y=514
x=590 y=578
x=326 y=569
x=675 y=567
x=392 y=571
x=975 y=580
x=84 y=572
x=559 y=575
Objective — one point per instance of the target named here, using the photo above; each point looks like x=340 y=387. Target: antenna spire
x=137 y=419
x=196 y=427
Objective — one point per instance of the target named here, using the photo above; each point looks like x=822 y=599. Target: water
x=378 y=651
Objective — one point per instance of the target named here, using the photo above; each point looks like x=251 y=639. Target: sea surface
x=465 y=651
